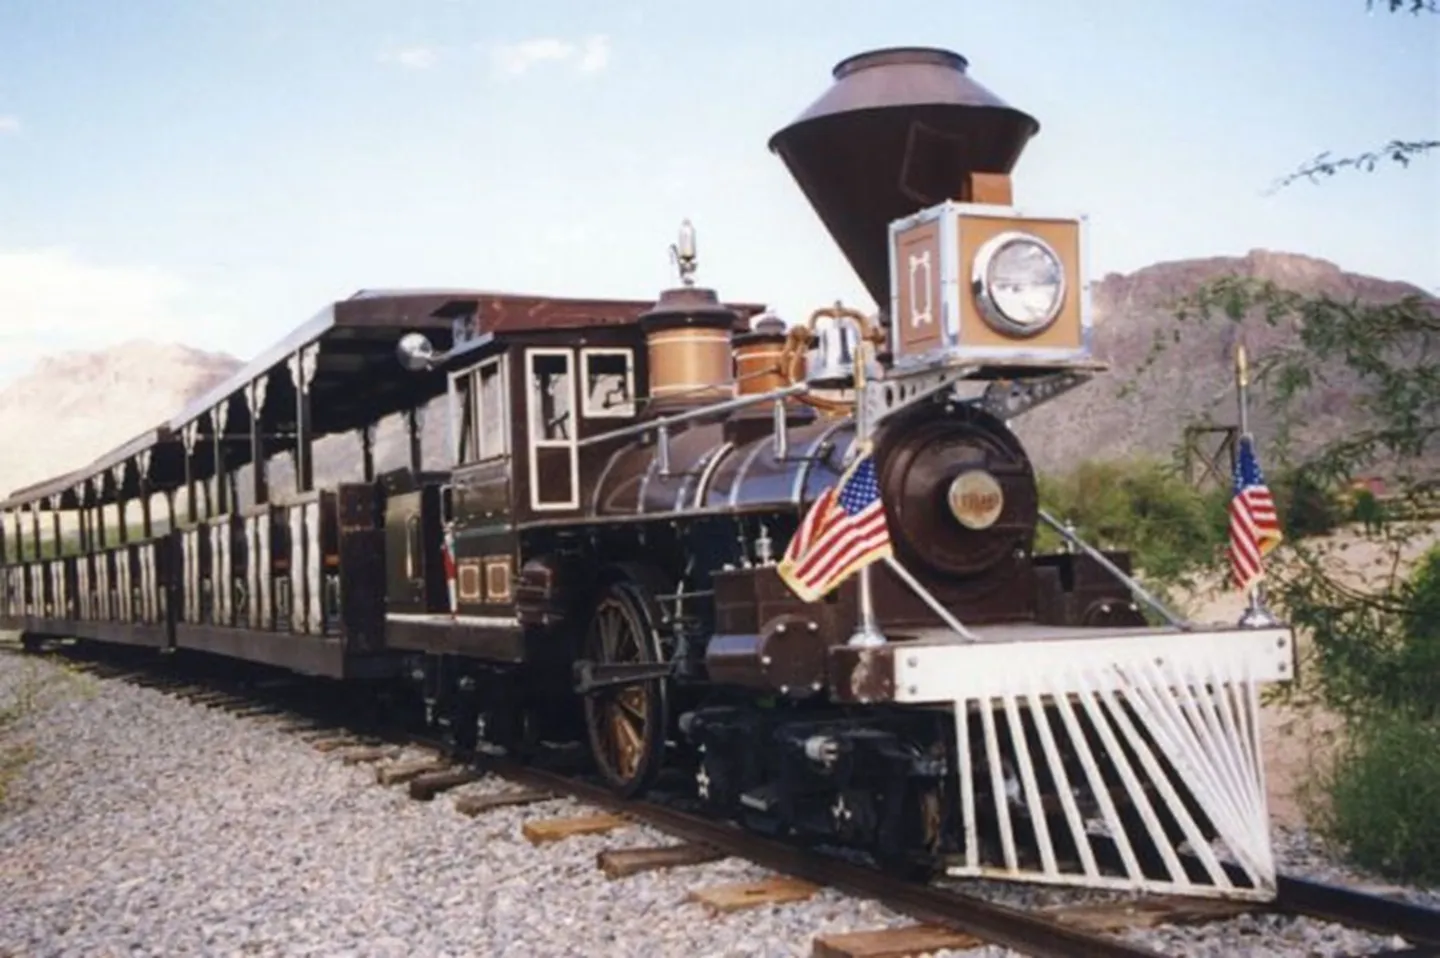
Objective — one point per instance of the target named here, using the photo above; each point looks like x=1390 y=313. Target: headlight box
x=973 y=282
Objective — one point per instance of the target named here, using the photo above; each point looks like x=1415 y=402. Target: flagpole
x=1256 y=614
x=867 y=631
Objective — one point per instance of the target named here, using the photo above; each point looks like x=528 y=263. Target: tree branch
x=1416 y=6
x=1399 y=151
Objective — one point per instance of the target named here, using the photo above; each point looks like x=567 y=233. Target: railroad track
x=945 y=917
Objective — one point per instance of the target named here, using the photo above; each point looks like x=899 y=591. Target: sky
x=214 y=172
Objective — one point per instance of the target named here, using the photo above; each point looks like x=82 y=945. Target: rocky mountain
x=73 y=407
x=1139 y=409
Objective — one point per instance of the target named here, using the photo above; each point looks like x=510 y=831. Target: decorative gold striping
x=696 y=362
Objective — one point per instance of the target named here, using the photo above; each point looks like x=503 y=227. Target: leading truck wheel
x=626 y=724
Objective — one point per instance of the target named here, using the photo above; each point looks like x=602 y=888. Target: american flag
x=1254 y=526
x=843 y=531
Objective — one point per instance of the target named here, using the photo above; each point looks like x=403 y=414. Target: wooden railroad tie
x=623 y=862
x=368 y=753
x=473 y=805
x=292 y=726
x=331 y=744
x=251 y=711
x=555 y=829
x=206 y=697
x=906 y=941
x=158 y=682
x=426 y=786
x=1146 y=913
x=770 y=891
x=903 y=942
x=405 y=771
x=319 y=733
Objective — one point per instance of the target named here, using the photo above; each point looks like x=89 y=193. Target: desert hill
x=1193 y=379
x=73 y=407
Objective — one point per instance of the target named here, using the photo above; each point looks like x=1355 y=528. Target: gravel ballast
x=145 y=825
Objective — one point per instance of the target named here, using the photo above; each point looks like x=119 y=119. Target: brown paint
x=919 y=319
x=1064 y=236
x=991 y=188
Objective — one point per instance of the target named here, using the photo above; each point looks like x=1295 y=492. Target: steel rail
x=1026 y=932
x=1356 y=909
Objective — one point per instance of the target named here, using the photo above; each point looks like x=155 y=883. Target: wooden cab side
x=480 y=519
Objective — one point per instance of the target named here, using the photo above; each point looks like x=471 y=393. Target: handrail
x=720 y=408
x=1135 y=587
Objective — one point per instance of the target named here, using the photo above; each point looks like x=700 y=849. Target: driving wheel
x=626 y=723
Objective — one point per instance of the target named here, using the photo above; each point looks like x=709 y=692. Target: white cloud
x=416 y=57
x=594 y=54
x=9 y=124
x=590 y=55
x=51 y=300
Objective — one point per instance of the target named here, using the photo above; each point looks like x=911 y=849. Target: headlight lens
x=1018 y=283
x=976 y=499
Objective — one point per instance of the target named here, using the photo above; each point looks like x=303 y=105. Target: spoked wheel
x=626 y=723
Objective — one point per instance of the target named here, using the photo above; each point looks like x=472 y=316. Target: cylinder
x=787 y=657
x=758 y=356
x=688 y=337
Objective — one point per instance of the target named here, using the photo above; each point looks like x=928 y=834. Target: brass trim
x=497 y=579
x=689 y=360
x=468 y=580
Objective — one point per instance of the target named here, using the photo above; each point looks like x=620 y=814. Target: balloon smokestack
x=900 y=130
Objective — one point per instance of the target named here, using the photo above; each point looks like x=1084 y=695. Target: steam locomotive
x=793 y=568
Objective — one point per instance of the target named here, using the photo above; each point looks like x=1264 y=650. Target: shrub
x=1378 y=651
x=1378 y=663
x=1383 y=796
x=1170 y=529
x=1305 y=506
x=1416 y=670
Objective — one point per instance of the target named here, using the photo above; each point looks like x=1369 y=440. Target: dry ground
x=1295 y=741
